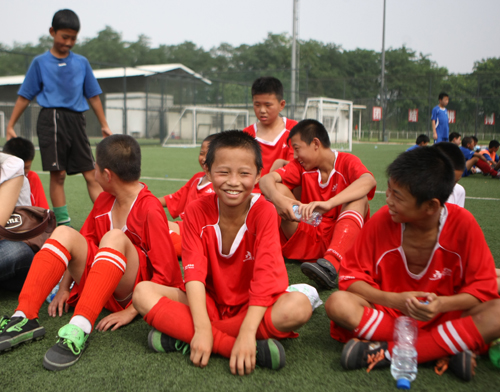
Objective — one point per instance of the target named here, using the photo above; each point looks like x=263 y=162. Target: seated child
x=235 y=302
x=123 y=241
x=24 y=149
x=197 y=186
x=416 y=257
x=455 y=138
x=475 y=158
x=490 y=154
x=422 y=141
x=453 y=153
x=271 y=131
x=333 y=183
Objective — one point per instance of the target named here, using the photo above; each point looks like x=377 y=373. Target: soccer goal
x=336 y=116
x=194 y=123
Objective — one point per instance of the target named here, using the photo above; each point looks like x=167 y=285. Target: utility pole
x=382 y=92
x=295 y=33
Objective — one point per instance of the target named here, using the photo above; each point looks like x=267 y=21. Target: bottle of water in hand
x=314 y=220
x=404 y=354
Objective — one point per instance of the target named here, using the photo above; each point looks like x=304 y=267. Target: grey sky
x=454 y=32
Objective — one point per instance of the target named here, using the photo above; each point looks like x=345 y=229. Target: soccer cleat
x=162 y=343
x=358 y=354
x=270 y=354
x=70 y=346
x=322 y=272
x=461 y=364
x=18 y=330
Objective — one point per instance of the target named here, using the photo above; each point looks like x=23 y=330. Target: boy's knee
x=58 y=177
x=64 y=235
x=297 y=309
x=340 y=308
x=114 y=238
x=141 y=292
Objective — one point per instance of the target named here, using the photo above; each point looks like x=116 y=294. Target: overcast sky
x=455 y=33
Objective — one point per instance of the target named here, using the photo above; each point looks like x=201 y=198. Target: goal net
x=336 y=116
x=192 y=124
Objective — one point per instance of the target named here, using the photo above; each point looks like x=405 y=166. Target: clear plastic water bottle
x=404 y=354
x=52 y=294
x=314 y=220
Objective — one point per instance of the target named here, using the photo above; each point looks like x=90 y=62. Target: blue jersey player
x=439 y=119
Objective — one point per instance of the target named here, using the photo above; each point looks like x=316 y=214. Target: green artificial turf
x=121 y=360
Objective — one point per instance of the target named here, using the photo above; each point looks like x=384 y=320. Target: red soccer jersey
x=38 y=198
x=277 y=149
x=347 y=169
x=253 y=272
x=192 y=190
x=147 y=229
x=460 y=262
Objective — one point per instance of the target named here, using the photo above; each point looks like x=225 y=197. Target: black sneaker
x=71 y=344
x=322 y=272
x=19 y=330
x=359 y=354
x=270 y=354
x=162 y=343
x=462 y=365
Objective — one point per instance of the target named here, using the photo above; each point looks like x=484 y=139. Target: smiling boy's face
x=233 y=175
x=402 y=204
x=305 y=154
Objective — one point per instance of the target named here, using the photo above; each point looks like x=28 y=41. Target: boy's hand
x=306 y=210
x=424 y=311
x=201 y=347
x=59 y=302
x=284 y=207
x=399 y=300
x=106 y=131
x=243 y=355
x=10 y=132
x=117 y=320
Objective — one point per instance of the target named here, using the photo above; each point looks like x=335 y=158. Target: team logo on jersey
x=189 y=266
x=439 y=275
x=209 y=190
x=284 y=145
x=334 y=188
x=248 y=256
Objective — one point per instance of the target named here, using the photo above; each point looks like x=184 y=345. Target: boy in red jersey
x=416 y=257
x=199 y=185
x=235 y=302
x=123 y=241
x=271 y=131
x=333 y=183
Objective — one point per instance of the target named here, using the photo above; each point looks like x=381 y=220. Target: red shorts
x=344 y=335
x=112 y=305
x=308 y=242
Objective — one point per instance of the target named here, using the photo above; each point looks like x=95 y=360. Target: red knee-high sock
x=174 y=319
x=107 y=269
x=176 y=240
x=375 y=325
x=347 y=228
x=449 y=338
x=230 y=326
x=45 y=272
x=486 y=168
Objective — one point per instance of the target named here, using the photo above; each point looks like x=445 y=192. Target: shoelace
x=441 y=365
x=373 y=359
x=75 y=350
x=182 y=347
x=3 y=322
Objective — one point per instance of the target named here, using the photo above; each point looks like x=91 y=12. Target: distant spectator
x=474 y=158
x=456 y=138
x=439 y=120
x=490 y=154
x=422 y=140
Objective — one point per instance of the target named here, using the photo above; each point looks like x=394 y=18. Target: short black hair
x=209 y=138
x=453 y=135
x=426 y=172
x=423 y=138
x=442 y=95
x=65 y=19
x=454 y=154
x=308 y=130
x=122 y=155
x=493 y=144
x=234 y=139
x=474 y=138
x=21 y=148
x=268 y=85
x=466 y=140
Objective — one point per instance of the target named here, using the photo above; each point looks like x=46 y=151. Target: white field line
x=186 y=180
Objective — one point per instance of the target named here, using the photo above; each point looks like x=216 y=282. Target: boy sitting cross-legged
x=123 y=241
x=235 y=302
x=333 y=183
x=199 y=185
x=416 y=257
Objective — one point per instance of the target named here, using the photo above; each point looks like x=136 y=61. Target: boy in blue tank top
x=62 y=82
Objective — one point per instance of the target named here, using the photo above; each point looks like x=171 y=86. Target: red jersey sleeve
x=194 y=259
x=355 y=169
x=159 y=248
x=38 y=198
x=176 y=202
x=250 y=130
x=291 y=174
x=270 y=277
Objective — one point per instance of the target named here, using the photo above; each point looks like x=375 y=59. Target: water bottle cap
x=403 y=383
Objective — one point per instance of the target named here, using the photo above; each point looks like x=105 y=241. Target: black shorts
x=64 y=145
